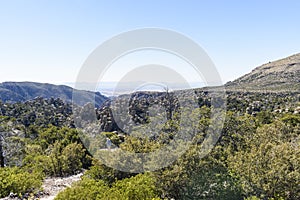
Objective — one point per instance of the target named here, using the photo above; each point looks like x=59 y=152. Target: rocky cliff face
x=282 y=75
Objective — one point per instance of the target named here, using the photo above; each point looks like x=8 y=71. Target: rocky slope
x=282 y=75
x=24 y=91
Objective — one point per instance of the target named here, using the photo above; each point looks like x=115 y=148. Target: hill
x=23 y=91
x=279 y=76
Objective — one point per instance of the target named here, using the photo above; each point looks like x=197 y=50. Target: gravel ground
x=52 y=186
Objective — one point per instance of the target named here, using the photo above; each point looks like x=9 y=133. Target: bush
x=269 y=166
x=59 y=161
x=138 y=187
x=141 y=186
x=109 y=175
x=64 y=161
x=18 y=181
x=72 y=157
x=85 y=189
x=35 y=161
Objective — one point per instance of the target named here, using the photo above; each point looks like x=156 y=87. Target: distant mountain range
x=24 y=91
x=279 y=76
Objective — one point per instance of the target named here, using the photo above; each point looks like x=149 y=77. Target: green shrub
x=35 y=161
x=109 y=175
x=64 y=161
x=138 y=187
x=252 y=198
x=141 y=186
x=86 y=189
x=18 y=181
x=72 y=156
x=269 y=166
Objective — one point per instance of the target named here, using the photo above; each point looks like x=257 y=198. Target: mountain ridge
x=23 y=91
x=282 y=75
x=279 y=75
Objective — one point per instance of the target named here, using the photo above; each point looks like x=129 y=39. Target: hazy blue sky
x=48 y=40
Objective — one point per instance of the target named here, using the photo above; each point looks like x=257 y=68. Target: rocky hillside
x=282 y=75
x=24 y=91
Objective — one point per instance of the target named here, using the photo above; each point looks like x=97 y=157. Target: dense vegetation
x=257 y=157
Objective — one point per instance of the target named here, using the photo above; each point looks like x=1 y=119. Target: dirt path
x=52 y=186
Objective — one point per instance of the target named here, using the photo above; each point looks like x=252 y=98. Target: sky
x=49 y=40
